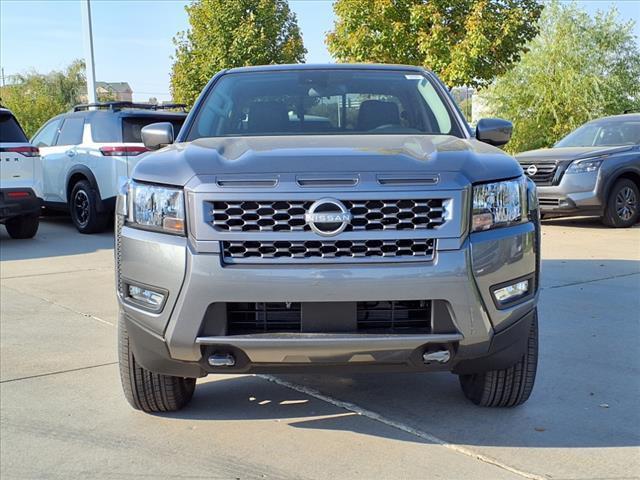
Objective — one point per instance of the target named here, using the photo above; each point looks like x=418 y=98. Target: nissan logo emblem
x=532 y=170
x=328 y=217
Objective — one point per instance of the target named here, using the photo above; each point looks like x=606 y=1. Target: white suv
x=88 y=153
x=20 y=179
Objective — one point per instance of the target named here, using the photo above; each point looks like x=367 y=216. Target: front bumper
x=11 y=207
x=577 y=194
x=458 y=282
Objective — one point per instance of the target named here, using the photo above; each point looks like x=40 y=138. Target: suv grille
x=420 y=248
x=378 y=317
x=545 y=174
x=288 y=216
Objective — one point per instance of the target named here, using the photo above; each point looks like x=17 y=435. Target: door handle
x=71 y=153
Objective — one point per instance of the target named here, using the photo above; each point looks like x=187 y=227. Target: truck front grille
x=119 y=223
x=545 y=173
x=376 y=317
x=289 y=216
x=422 y=249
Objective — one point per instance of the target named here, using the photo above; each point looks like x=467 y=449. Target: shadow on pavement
x=56 y=237
x=578 y=222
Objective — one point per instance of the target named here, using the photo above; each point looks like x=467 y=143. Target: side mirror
x=157 y=135
x=494 y=131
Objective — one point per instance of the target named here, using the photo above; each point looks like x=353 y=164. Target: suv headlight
x=498 y=204
x=585 y=165
x=153 y=207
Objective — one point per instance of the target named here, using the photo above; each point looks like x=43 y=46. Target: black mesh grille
x=378 y=317
x=262 y=317
x=412 y=316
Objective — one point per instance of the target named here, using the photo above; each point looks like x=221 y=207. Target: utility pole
x=88 y=50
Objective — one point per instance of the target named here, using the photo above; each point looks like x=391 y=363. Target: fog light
x=512 y=292
x=145 y=298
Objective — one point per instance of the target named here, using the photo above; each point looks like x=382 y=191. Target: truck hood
x=178 y=163
x=568 y=153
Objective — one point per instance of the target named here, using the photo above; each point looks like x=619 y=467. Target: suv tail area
x=87 y=154
x=20 y=179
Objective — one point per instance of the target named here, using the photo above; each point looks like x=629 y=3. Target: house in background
x=118 y=91
x=110 y=92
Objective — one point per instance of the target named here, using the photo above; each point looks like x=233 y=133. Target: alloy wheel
x=626 y=203
x=81 y=207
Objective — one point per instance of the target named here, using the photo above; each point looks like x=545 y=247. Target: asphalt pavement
x=63 y=415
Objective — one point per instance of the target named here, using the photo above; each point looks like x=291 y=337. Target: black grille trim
x=419 y=249
x=375 y=317
x=545 y=174
x=289 y=216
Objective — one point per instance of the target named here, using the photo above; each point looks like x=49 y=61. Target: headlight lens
x=583 y=166
x=498 y=204
x=156 y=208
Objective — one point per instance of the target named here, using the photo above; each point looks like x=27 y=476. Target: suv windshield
x=323 y=102
x=10 y=131
x=606 y=133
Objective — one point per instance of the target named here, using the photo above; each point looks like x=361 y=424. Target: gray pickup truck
x=334 y=218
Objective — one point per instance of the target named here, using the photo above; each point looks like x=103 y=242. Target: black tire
x=23 y=227
x=623 y=205
x=148 y=391
x=83 y=209
x=508 y=387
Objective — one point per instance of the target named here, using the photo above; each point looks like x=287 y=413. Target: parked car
x=20 y=179
x=593 y=171
x=88 y=154
x=384 y=237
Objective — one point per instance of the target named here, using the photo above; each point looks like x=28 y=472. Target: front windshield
x=603 y=133
x=322 y=102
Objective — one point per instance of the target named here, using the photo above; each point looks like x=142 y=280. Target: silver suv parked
x=593 y=171
x=327 y=218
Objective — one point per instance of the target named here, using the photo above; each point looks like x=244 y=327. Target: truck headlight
x=153 y=207
x=583 y=166
x=498 y=204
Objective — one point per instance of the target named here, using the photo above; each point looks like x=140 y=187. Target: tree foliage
x=232 y=33
x=465 y=42
x=35 y=97
x=578 y=68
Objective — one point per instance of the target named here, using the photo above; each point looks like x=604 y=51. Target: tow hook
x=222 y=360
x=438 y=356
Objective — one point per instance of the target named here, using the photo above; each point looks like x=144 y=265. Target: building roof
x=118 y=87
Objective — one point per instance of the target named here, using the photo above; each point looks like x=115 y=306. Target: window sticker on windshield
x=414 y=77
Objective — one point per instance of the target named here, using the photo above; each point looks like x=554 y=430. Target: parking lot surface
x=63 y=414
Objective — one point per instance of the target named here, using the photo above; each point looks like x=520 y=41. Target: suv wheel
x=148 y=391
x=623 y=205
x=23 y=227
x=83 y=209
x=508 y=387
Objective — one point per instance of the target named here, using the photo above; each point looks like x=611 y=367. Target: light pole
x=88 y=50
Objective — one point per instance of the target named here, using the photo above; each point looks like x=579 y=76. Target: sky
x=133 y=38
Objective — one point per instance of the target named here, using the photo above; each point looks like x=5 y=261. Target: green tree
x=232 y=33
x=35 y=97
x=465 y=42
x=578 y=68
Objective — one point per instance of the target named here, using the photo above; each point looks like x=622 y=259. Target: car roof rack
x=121 y=105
